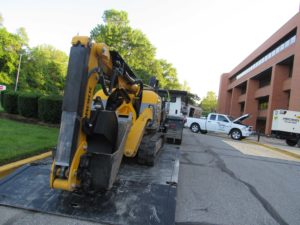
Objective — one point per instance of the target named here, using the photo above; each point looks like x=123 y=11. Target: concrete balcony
x=242 y=98
x=264 y=91
x=287 y=85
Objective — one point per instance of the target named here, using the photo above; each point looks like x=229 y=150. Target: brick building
x=268 y=79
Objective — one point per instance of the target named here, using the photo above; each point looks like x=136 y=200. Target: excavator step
x=140 y=195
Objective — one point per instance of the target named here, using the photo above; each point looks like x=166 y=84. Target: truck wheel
x=291 y=142
x=236 y=134
x=195 y=128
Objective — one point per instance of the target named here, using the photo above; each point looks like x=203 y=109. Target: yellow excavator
x=125 y=117
x=87 y=180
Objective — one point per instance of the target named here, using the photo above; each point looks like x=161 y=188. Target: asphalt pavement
x=222 y=181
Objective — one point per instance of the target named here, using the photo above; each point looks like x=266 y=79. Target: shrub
x=28 y=104
x=50 y=108
x=10 y=102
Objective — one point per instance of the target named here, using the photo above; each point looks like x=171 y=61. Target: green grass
x=20 y=140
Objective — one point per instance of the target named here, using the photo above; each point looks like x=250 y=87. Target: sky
x=201 y=38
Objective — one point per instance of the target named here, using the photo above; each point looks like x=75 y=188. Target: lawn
x=20 y=140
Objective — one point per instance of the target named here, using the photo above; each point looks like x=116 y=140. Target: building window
x=173 y=99
x=263 y=103
x=242 y=107
x=263 y=106
x=267 y=56
x=265 y=81
x=264 y=78
x=243 y=88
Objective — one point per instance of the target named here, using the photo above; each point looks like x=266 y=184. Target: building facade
x=268 y=79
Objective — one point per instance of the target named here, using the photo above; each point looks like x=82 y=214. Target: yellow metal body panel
x=150 y=97
x=136 y=133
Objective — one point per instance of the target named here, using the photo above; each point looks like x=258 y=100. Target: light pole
x=17 y=79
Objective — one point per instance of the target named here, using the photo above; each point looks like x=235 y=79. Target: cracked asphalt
x=220 y=183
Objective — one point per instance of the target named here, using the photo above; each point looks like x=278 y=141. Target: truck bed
x=141 y=194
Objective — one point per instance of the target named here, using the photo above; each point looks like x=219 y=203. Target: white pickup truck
x=220 y=123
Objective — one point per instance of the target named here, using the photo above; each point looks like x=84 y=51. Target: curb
x=296 y=156
x=8 y=168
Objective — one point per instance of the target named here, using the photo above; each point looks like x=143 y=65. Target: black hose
x=102 y=82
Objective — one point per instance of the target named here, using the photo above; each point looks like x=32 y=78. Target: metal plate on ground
x=141 y=194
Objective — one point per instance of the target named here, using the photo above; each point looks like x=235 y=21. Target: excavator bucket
x=105 y=151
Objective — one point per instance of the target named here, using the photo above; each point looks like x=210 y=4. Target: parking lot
x=222 y=181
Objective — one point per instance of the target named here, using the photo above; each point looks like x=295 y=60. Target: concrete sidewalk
x=275 y=144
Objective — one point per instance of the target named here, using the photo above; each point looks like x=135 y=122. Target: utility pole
x=17 y=79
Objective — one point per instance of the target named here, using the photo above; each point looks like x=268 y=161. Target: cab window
x=222 y=119
x=213 y=117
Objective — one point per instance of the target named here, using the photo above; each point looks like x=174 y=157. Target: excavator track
x=149 y=148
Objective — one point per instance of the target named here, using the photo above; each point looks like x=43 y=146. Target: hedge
x=50 y=109
x=1 y=96
x=28 y=104
x=10 y=102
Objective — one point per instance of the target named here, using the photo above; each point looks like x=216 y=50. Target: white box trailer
x=286 y=125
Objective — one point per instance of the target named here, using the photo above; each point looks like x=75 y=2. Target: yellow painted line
x=291 y=154
x=8 y=168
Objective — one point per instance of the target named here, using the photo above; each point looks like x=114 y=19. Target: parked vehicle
x=175 y=119
x=286 y=125
x=220 y=123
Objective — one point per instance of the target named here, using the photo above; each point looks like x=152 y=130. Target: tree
x=169 y=76
x=10 y=48
x=135 y=48
x=1 y=20
x=185 y=86
x=193 y=99
x=21 y=32
x=43 y=70
x=209 y=103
